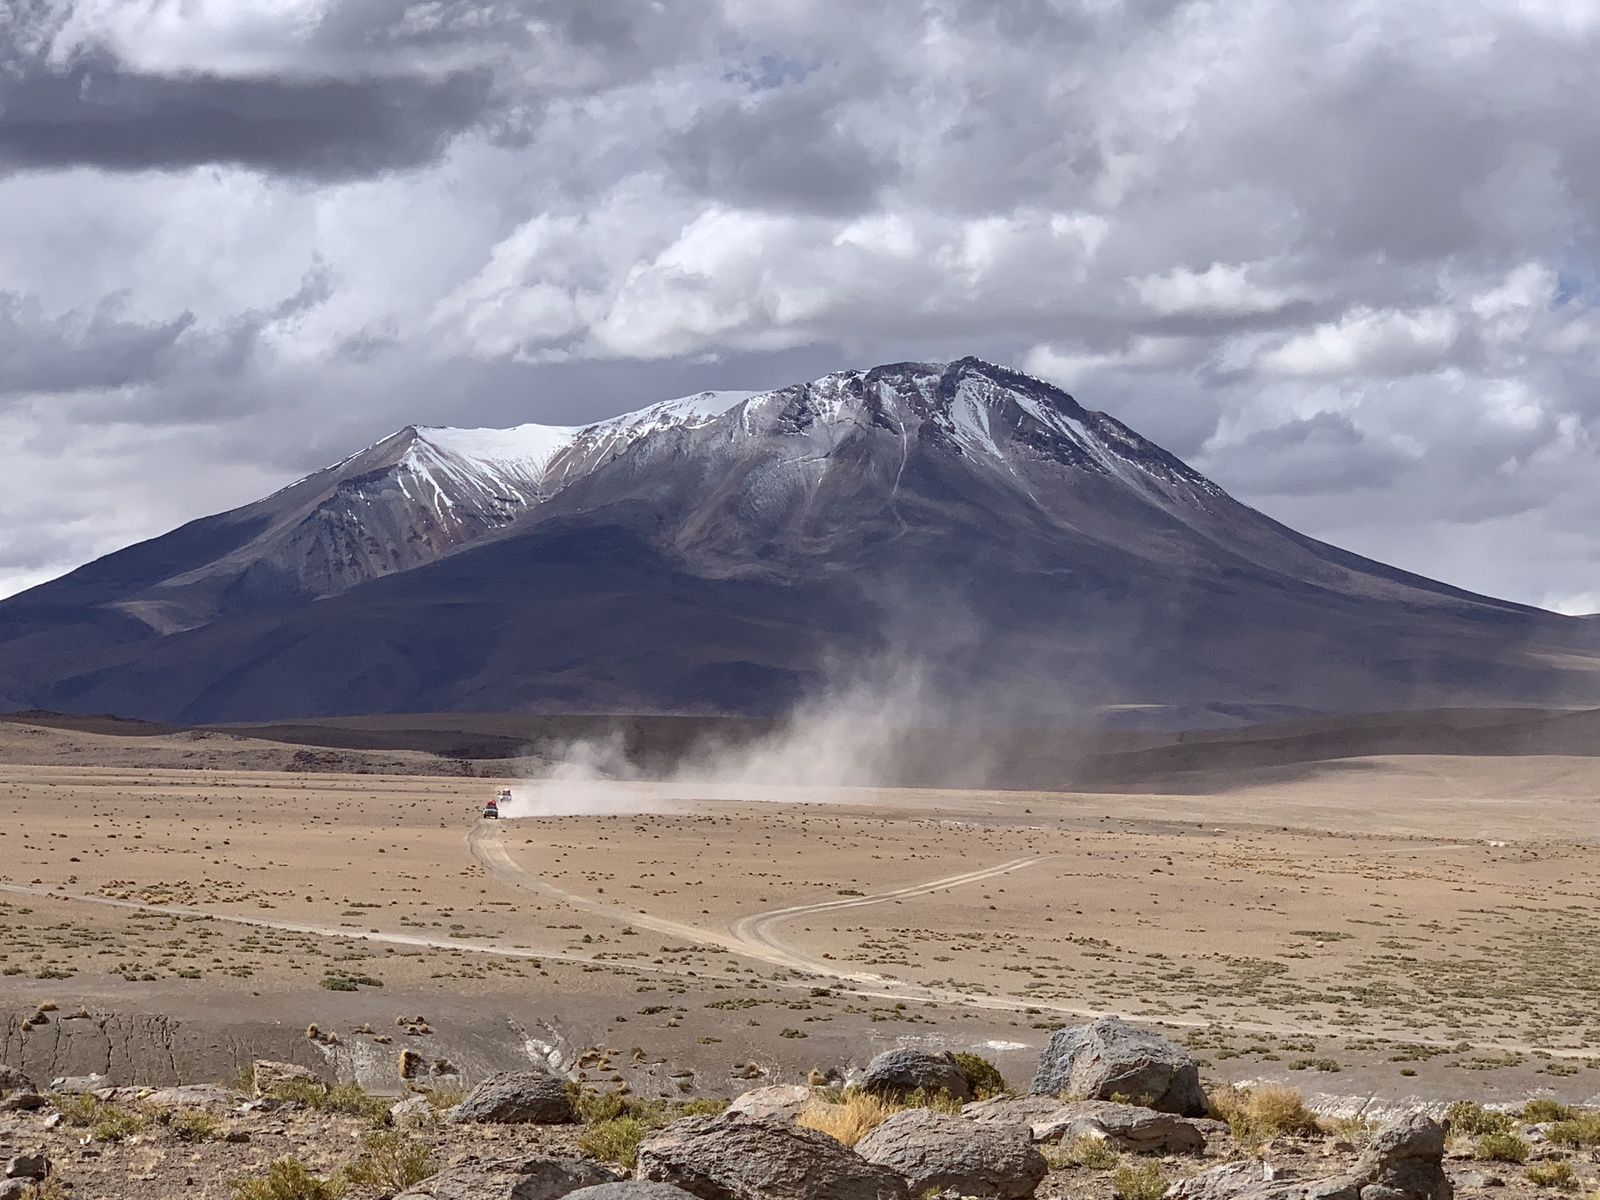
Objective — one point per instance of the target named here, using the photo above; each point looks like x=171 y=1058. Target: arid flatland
x=1434 y=913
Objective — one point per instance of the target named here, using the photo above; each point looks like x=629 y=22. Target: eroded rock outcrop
x=1109 y=1058
x=517 y=1097
x=534 y=1178
x=1403 y=1161
x=935 y=1150
x=900 y=1072
x=734 y=1157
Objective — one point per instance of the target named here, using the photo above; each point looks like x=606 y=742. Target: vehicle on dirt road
x=492 y=808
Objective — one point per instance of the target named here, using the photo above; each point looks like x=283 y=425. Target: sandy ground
x=1373 y=926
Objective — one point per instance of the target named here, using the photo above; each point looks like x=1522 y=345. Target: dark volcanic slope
x=729 y=554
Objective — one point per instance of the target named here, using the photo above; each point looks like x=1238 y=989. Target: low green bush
x=1501 y=1147
x=287 y=1179
x=983 y=1077
x=1142 y=1182
x=1471 y=1120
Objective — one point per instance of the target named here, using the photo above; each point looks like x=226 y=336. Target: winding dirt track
x=753 y=936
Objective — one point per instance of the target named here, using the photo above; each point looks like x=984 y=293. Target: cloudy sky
x=1342 y=256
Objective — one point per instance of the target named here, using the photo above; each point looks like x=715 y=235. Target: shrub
x=983 y=1077
x=1580 y=1131
x=614 y=1139
x=105 y=1122
x=287 y=1179
x=1142 y=1182
x=354 y=1099
x=389 y=1164
x=1085 y=1150
x=1256 y=1114
x=617 y=1122
x=443 y=1098
x=1471 y=1120
x=349 y=1098
x=192 y=1125
x=1544 y=1110
x=1501 y=1147
x=939 y=1101
x=1553 y=1174
x=855 y=1115
x=46 y=1189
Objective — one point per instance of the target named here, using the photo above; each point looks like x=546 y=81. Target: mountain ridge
x=1019 y=546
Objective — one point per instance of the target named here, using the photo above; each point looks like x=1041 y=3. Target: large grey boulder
x=936 y=1150
x=734 y=1157
x=1405 y=1161
x=534 y=1178
x=898 y=1072
x=516 y=1098
x=1109 y=1058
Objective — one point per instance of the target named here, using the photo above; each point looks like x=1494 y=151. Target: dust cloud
x=846 y=737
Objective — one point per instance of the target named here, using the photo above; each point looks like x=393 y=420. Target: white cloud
x=1222 y=289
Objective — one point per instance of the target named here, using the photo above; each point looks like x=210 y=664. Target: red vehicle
x=492 y=808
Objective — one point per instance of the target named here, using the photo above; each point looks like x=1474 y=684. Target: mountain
x=965 y=527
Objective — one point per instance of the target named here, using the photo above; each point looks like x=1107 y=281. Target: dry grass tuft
x=1554 y=1174
x=1143 y=1182
x=1085 y=1150
x=854 y=1116
x=287 y=1179
x=1271 y=1110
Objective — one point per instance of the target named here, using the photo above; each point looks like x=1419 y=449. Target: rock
x=1012 y=1110
x=13 y=1080
x=1109 y=1057
x=269 y=1075
x=77 y=1085
x=1403 y=1161
x=897 y=1072
x=631 y=1189
x=1405 y=1158
x=937 y=1151
x=1125 y=1126
x=14 y=1189
x=1228 y=1180
x=734 y=1157
x=28 y=1166
x=780 y=1100
x=193 y=1095
x=532 y=1178
x=22 y=1101
x=414 y=1109
x=517 y=1097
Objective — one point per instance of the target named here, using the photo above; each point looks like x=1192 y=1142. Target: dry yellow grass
x=848 y=1121
x=1256 y=1114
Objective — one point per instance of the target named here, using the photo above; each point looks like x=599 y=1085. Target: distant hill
x=1025 y=560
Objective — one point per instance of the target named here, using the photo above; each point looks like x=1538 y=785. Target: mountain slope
x=1029 y=559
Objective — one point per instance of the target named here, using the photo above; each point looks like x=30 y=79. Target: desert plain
x=1372 y=930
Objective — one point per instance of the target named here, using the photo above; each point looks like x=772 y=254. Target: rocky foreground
x=1112 y=1111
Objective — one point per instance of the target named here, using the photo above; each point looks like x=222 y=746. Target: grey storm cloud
x=1344 y=257
x=99 y=113
x=784 y=148
x=43 y=353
